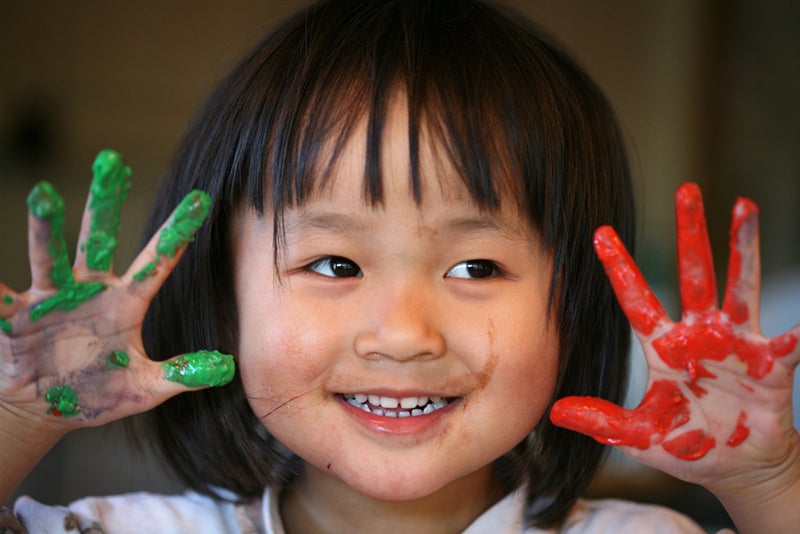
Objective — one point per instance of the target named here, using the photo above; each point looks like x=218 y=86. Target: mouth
x=396 y=407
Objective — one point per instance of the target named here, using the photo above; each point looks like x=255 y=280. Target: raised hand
x=71 y=352
x=717 y=410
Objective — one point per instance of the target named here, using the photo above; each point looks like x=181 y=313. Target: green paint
x=146 y=271
x=46 y=204
x=109 y=188
x=8 y=299
x=69 y=297
x=118 y=360
x=5 y=326
x=63 y=401
x=188 y=217
x=202 y=368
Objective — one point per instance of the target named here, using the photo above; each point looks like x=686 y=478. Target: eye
x=335 y=267
x=474 y=269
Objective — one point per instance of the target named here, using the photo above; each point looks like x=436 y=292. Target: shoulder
x=134 y=512
x=610 y=515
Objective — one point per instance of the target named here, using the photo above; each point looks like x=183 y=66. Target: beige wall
x=688 y=78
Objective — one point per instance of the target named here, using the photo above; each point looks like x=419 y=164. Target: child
x=399 y=203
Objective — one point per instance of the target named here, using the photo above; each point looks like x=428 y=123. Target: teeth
x=388 y=406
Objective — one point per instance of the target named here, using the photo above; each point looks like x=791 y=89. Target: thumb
x=662 y=409
x=205 y=368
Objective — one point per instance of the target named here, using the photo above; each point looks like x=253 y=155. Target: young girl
x=400 y=200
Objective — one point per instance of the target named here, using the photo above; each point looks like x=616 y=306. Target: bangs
x=464 y=94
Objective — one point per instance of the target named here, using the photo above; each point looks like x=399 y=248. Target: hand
x=717 y=410
x=71 y=352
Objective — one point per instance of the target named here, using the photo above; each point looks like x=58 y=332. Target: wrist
x=764 y=499
x=23 y=442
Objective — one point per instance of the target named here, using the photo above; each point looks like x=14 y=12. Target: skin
x=719 y=390
x=85 y=365
x=311 y=336
x=413 y=322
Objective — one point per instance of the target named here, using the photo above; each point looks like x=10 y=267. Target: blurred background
x=705 y=90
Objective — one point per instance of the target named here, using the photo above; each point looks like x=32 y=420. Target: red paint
x=696 y=266
x=663 y=409
x=691 y=445
x=712 y=337
x=744 y=228
x=640 y=304
x=740 y=433
x=696 y=389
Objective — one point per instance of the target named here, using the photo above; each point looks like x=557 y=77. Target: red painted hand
x=719 y=391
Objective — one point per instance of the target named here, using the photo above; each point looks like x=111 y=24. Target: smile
x=394 y=407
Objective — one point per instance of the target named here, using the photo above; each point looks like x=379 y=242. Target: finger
x=741 y=301
x=638 y=301
x=662 y=409
x=10 y=303
x=787 y=347
x=156 y=261
x=205 y=368
x=47 y=249
x=98 y=238
x=695 y=265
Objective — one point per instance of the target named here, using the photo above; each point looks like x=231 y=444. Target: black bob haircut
x=511 y=111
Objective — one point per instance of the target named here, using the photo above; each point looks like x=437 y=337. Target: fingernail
x=202 y=368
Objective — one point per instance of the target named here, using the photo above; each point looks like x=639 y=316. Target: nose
x=402 y=324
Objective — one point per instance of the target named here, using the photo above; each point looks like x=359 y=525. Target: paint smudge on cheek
x=63 y=401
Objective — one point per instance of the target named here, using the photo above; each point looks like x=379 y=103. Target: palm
x=719 y=392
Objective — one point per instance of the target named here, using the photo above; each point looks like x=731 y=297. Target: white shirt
x=199 y=514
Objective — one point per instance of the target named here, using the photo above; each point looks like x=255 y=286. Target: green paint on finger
x=69 y=297
x=5 y=326
x=109 y=188
x=118 y=360
x=188 y=217
x=202 y=368
x=63 y=401
x=46 y=204
x=145 y=272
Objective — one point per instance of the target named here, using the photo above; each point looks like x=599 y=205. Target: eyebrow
x=312 y=221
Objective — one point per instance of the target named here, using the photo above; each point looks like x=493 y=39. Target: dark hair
x=511 y=110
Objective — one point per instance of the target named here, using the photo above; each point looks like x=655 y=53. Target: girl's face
x=402 y=346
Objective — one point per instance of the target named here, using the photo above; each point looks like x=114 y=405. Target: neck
x=317 y=502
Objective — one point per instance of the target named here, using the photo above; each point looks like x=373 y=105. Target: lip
x=417 y=426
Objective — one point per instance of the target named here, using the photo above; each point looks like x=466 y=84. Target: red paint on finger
x=712 y=337
x=698 y=283
x=640 y=304
x=745 y=215
x=691 y=445
x=663 y=409
x=740 y=433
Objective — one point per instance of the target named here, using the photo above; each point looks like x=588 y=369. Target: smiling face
x=399 y=347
